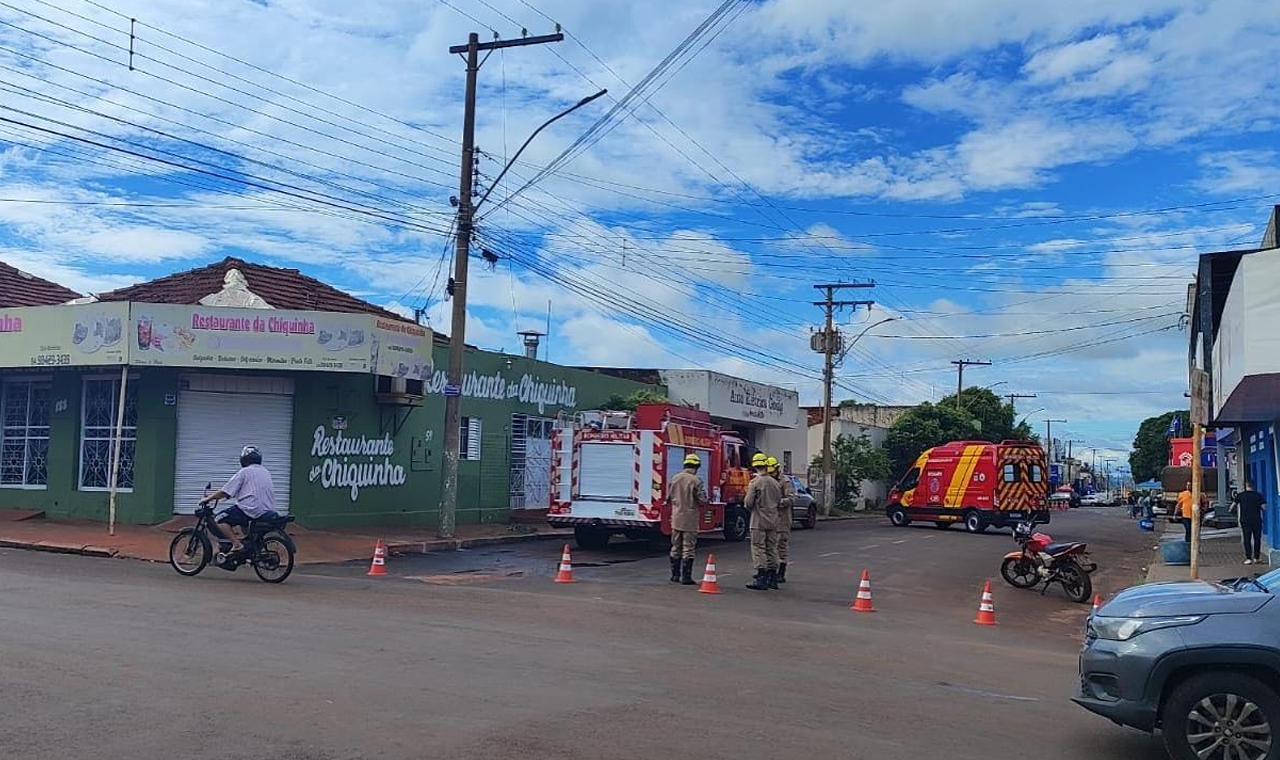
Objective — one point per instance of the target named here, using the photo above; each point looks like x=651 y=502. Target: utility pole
x=462 y=251
x=1048 y=434
x=1013 y=397
x=960 y=365
x=829 y=345
x=1197 y=476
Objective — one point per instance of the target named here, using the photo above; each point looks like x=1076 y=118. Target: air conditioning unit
x=399 y=391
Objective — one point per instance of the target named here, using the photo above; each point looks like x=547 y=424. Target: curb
x=37 y=546
x=864 y=515
x=456 y=544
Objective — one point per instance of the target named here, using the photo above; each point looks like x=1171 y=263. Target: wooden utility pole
x=462 y=251
x=960 y=365
x=1197 y=474
x=829 y=346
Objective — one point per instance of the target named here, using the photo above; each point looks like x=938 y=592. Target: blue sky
x=1026 y=183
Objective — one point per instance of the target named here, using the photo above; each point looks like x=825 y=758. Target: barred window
x=97 y=431
x=24 y=434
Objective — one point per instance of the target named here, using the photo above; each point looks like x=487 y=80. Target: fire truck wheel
x=590 y=537
x=973 y=522
x=736 y=523
x=898 y=516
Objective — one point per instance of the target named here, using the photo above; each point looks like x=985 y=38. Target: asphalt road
x=478 y=654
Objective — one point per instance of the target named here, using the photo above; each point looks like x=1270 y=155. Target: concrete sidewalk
x=1221 y=556
x=33 y=531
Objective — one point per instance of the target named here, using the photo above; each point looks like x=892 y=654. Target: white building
x=860 y=419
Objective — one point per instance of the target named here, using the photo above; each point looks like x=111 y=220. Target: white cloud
x=1240 y=171
x=1069 y=60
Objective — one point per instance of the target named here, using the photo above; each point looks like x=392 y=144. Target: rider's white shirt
x=252 y=489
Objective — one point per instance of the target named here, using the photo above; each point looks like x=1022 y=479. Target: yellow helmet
x=759 y=460
x=692 y=460
x=772 y=463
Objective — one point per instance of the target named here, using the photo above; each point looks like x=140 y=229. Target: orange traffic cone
x=379 y=567
x=987 y=608
x=566 y=567
x=709 y=584
x=863 y=602
x=1097 y=602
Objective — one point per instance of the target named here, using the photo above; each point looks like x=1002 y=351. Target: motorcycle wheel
x=189 y=552
x=274 y=559
x=1076 y=582
x=1019 y=572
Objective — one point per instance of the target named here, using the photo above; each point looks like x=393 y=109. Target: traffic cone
x=709 y=584
x=566 y=567
x=379 y=567
x=863 y=602
x=987 y=608
x=1097 y=602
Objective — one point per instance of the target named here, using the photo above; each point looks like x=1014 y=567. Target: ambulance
x=610 y=470
x=976 y=483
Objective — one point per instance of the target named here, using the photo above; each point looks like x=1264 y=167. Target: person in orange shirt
x=1185 y=511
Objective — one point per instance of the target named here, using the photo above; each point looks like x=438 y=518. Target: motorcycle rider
x=254 y=495
x=688 y=497
x=784 y=515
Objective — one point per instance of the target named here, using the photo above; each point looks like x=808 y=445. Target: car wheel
x=590 y=537
x=811 y=519
x=898 y=516
x=1222 y=716
x=973 y=522
x=736 y=524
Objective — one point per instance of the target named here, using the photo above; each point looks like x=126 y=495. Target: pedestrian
x=1250 y=506
x=688 y=497
x=1144 y=505
x=764 y=495
x=784 y=515
x=1185 y=511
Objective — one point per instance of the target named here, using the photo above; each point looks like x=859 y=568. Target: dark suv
x=1199 y=661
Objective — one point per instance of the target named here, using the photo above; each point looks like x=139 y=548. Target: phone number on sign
x=50 y=360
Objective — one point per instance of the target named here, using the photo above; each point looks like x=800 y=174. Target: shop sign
x=353 y=463
x=733 y=398
x=60 y=336
x=202 y=336
x=527 y=389
x=401 y=349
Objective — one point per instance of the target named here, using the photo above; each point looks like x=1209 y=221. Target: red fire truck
x=978 y=483
x=609 y=473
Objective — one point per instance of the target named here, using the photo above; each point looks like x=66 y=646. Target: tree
x=618 y=403
x=984 y=416
x=1151 y=445
x=855 y=459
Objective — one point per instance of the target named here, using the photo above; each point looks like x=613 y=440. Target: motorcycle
x=1040 y=560
x=269 y=548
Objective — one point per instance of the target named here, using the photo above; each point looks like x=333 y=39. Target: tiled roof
x=17 y=288
x=282 y=288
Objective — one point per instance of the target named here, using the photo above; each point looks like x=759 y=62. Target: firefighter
x=784 y=516
x=764 y=495
x=687 y=497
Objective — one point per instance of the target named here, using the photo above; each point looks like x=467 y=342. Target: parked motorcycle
x=1040 y=560
x=271 y=548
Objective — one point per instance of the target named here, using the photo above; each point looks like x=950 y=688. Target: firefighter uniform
x=784 y=517
x=764 y=495
x=687 y=497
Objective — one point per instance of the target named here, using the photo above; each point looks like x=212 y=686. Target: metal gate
x=530 y=461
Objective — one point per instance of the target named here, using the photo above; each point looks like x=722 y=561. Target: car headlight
x=1123 y=629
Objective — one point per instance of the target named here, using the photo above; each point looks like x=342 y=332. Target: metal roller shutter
x=217 y=416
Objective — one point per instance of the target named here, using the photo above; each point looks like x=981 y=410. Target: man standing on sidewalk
x=1250 y=506
x=1185 y=512
x=688 y=497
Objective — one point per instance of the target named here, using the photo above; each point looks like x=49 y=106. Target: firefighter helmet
x=692 y=460
x=772 y=462
x=760 y=459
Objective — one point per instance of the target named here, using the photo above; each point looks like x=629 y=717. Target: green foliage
x=1151 y=445
x=617 y=403
x=855 y=459
x=984 y=416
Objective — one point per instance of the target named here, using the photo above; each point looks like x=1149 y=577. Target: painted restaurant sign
x=176 y=335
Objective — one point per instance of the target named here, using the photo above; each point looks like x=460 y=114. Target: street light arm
x=545 y=124
x=1028 y=414
x=865 y=330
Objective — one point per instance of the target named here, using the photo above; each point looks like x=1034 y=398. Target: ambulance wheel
x=736 y=524
x=898 y=516
x=974 y=523
x=590 y=537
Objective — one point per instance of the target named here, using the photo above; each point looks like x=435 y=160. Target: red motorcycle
x=1040 y=560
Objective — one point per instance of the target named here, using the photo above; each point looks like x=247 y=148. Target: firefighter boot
x=675 y=569
x=761 y=581
x=686 y=573
x=782 y=572
x=772 y=577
